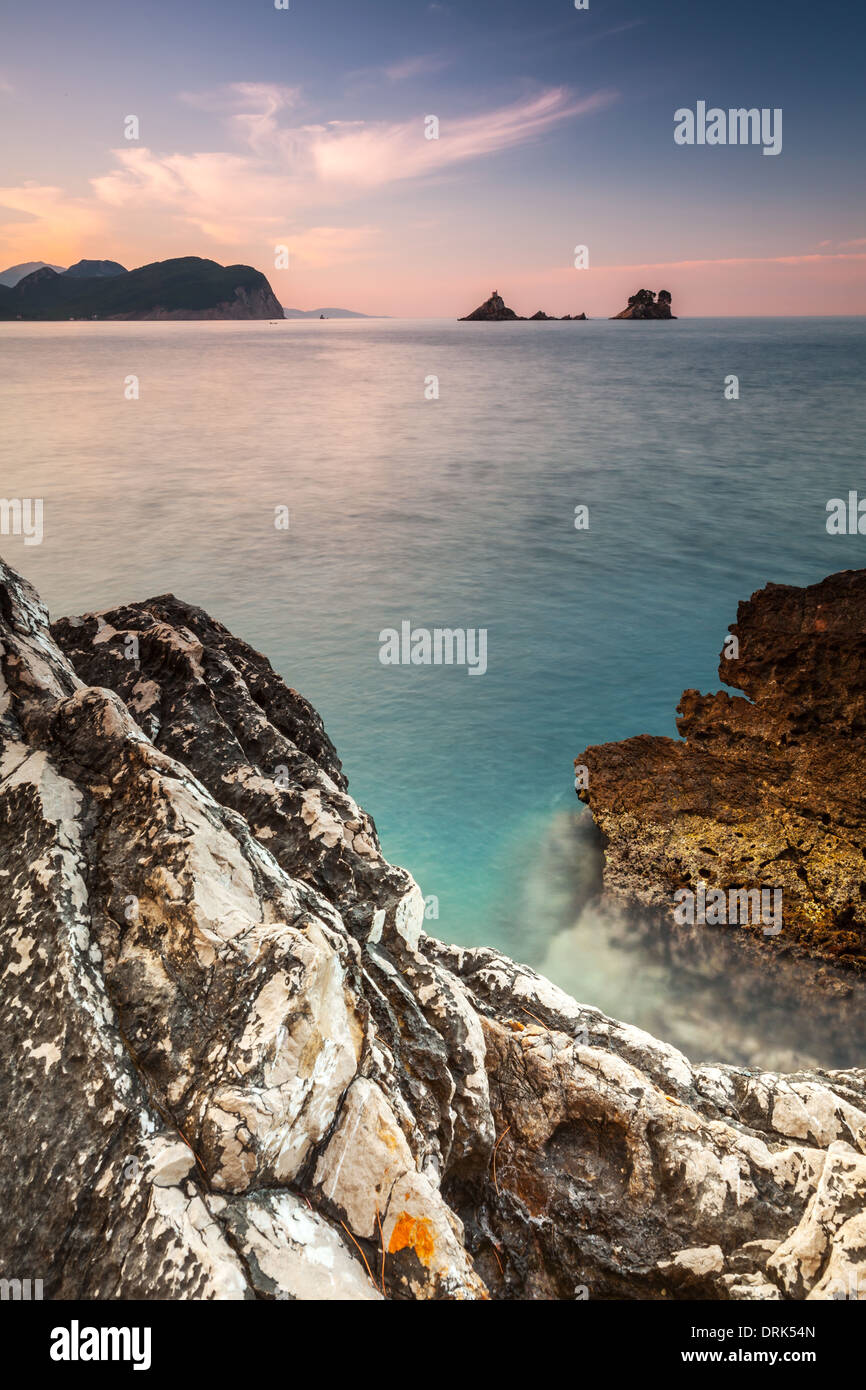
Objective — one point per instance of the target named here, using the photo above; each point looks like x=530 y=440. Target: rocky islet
x=643 y=305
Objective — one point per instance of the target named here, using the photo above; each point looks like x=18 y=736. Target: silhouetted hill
x=90 y=270
x=187 y=287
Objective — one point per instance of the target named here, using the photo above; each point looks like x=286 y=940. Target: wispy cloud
x=250 y=110
x=370 y=155
x=804 y=258
x=416 y=67
x=616 y=29
x=648 y=269
x=227 y=197
x=845 y=245
x=281 y=170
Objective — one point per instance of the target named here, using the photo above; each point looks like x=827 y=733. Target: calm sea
x=456 y=512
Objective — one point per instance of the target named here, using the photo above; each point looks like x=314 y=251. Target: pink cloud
x=265 y=190
x=249 y=109
x=371 y=155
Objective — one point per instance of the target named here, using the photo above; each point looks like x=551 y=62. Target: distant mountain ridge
x=81 y=270
x=187 y=287
x=14 y=273
x=329 y=314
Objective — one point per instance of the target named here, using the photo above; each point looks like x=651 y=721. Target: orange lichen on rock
x=414 y=1233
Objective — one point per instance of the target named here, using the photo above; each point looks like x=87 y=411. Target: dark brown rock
x=644 y=305
x=493 y=310
x=767 y=786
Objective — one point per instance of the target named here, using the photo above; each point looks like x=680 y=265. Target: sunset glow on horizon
x=308 y=128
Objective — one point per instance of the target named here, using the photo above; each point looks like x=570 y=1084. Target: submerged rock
x=644 y=305
x=764 y=791
x=237 y=1067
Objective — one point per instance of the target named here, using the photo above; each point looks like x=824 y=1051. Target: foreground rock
x=237 y=1067
x=765 y=790
x=644 y=305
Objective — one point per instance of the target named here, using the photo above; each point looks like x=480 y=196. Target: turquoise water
x=455 y=512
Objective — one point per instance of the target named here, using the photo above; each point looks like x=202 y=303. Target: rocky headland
x=186 y=287
x=237 y=1067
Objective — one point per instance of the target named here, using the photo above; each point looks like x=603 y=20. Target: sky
x=261 y=128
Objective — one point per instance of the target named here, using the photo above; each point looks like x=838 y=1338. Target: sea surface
x=459 y=512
